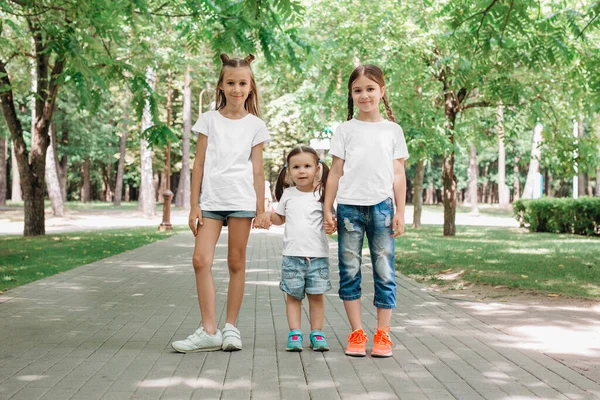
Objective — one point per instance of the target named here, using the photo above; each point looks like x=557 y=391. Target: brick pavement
x=103 y=331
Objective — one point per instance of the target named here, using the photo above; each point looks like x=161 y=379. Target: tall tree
x=3 y=170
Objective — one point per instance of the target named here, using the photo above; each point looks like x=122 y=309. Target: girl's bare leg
x=353 y=310
x=239 y=230
x=293 y=309
x=384 y=316
x=204 y=252
x=316 y=303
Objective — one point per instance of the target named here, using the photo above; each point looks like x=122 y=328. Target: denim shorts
x=305 y=275
x=223 y=215
x=376 y=221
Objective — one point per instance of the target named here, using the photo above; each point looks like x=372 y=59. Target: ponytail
x=323 y=181
x=281 y=184
x=350 y=105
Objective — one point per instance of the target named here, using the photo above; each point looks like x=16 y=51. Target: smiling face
x=366 y=94
x=236 y=85
x=303 y=169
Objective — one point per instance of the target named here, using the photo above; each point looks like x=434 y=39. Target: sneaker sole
x=294 y=349
x=321 y=349
x=216 y=348
x=382 y=355
x=231 y=347
x=355 y=354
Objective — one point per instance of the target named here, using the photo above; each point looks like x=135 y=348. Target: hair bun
x=224 y=58
x=249 y=58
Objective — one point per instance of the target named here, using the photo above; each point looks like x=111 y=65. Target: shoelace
x=357 y=337
x=382 y=337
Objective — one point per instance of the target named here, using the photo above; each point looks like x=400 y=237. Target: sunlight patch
x=528 y=251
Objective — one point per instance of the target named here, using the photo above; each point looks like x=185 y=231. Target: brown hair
x=374 y=73
x=283 y=183
x=251 y=103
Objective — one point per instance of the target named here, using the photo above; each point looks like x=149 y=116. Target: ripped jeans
x=352 y=224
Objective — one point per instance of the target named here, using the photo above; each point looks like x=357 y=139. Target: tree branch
x=512 y=3
x=12 y=120
x=587 y=25
x=476 y=104
x=484 y=12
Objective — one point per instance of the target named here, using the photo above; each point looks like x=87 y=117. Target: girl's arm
x=399 y=197
x=195 y=218
x=335 y=173
x=262 y=220
x=277 y=219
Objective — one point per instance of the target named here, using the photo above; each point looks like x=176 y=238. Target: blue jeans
x=376 y=221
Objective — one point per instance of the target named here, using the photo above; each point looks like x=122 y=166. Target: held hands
x=262 y=221
x=329 y=223
x=398 y=224
x=195 y=219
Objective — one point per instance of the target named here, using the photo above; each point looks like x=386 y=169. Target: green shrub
x=580 y=216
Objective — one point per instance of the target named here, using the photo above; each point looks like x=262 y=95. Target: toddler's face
x=303 y=169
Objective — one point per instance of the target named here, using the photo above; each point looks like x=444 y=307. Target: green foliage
x=579 y=216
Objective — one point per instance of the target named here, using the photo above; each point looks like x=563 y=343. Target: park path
x=103 y=331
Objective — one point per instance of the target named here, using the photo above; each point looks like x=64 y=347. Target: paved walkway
x=104 y=331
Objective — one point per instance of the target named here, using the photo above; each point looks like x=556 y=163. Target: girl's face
x=303 y=170
x=236 y=85
x=366 y=94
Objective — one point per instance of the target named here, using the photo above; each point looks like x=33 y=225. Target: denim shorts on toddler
x=305 y=275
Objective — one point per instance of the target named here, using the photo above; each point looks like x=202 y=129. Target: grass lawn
x=93 y=205
x=26 y=259
x=548 y=263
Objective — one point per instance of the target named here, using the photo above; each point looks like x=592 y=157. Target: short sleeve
x=337 y=146
x=201 y=126
x=261 y=135
x=400 y=149
x=282 y=202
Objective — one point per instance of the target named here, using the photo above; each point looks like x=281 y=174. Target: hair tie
x=285 y=166
x=321 y=162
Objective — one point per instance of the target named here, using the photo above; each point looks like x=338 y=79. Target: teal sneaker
x=294 y=340
x=318 y=342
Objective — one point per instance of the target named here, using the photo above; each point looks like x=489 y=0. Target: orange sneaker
x=357 y=344
x=382 y=344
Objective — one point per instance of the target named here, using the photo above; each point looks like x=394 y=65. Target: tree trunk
x=86 y=186
x=484 y=188
x=63 y=164
x=430 y=191
x=503 y=191
x=418 y=194
x=52 y=183
x=472 y=173
x=534 y=164
x=3 y=170
x=580 y=174
x=122 y=151
x=16 y=193
x=147 y=202
x=448 y=177
x=182 y=199
x=516 y=181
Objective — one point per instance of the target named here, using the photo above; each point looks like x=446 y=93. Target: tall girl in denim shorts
x=367 y=175
x=305 y=247
x=228 y=178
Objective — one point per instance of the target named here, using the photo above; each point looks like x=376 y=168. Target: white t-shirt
x=303 y=235
x=228 y=181
x=368 y=150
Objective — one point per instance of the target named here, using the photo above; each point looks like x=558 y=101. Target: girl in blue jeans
x=367 y=176
x=305 y=248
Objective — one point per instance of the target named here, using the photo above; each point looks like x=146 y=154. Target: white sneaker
x=199 y=341
x=232 y=339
